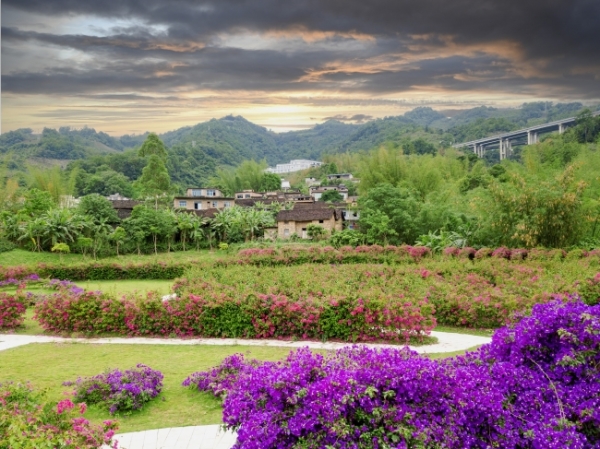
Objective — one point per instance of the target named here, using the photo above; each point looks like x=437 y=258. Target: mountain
x=195 y=152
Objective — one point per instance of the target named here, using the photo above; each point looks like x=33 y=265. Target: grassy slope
x=48 y=365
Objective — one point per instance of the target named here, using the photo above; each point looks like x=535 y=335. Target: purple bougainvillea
x=120 y=391
x=537 y=385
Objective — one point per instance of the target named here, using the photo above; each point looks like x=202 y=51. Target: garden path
x=212 y=437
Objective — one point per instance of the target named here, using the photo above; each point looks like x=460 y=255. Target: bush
x=6 y=246
x=535 y=386
x=28 y=422
x=12 y=311
x=120 y=391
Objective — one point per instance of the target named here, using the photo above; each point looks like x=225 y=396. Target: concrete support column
x=532 y=137
x=561 y=128
x=505 y=149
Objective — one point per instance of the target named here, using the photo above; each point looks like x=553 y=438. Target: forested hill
x=195 y=152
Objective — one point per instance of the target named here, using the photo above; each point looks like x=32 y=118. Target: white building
x=294 y=165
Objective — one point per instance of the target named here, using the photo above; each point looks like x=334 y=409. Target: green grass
x=119 y=288
x=30 y=326
x=48 y=365
x=465 y=330
x=23 y=257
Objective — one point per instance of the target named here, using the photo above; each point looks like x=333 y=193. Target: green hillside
x=195 y=152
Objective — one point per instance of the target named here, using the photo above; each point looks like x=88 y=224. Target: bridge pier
x=532 y=137
x=561 y=128
x=505 y=149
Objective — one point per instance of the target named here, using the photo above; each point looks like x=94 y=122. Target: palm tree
x=60 y=227
x=185 y=224
x=33 y=230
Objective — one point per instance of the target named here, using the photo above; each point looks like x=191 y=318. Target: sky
x=130 y=66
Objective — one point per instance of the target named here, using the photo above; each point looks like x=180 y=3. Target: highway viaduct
x=526 y=136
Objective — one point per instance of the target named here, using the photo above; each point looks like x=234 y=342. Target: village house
x=203 y=198
x=297 y=220
x=317 y=192
x=340 y=177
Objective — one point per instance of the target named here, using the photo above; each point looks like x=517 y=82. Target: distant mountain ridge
x=232 y=139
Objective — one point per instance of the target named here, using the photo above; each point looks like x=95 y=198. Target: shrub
x=12 y=311
x=590 y=290
x=501 y=253
x=483 y=253
x=535 y=386
x=28 y=422
x=120 y=391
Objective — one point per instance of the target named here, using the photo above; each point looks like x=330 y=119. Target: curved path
x=213 y=437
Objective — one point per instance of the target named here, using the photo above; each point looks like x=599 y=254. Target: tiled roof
x=306 y=214
x=124 y=204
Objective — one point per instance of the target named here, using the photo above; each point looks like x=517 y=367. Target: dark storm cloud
x=531 y=47
x=546 y=27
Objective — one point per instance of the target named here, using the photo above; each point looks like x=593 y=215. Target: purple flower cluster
x=220 y=379
x=537 y=385
x=120 y=391
x=14 y=281
x=65 y=285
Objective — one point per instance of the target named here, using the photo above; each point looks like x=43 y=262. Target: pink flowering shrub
x=28 y=422
x=12 y=310
x=501 y=253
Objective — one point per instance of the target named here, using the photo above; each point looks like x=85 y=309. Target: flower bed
x=537 y=385
x=120 y=391
x=12 y=311
x=28 y=422
x=215 y=314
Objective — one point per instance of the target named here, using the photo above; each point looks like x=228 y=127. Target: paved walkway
x=213 y=437
x=447 y=342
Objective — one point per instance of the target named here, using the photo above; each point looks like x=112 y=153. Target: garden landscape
x=300 y=225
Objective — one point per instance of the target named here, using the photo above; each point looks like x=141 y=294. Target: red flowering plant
x=27 y=421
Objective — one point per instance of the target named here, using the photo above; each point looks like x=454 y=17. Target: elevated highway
x=526 y=136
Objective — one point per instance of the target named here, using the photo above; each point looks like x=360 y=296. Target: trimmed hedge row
x=253 y=316
x=99 y=271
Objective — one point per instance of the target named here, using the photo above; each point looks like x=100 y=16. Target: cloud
x=317 y=53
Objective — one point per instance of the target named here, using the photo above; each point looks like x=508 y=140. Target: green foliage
x=315 y=232
x=527 y=213
x=155 y=180
x=331 y=196
x=28 y=421
x=270 y=182
x=37 y=202
x=153 y=146
x=98 y=209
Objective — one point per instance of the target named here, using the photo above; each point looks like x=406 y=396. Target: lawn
x=23 y=257
x=49 y=365
x=119 y=288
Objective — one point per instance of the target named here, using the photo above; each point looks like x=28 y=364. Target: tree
x=331 y=196
x=97 y=208
x=270 y=182
x=119 y=235
x=153 y=146
x=185 y=224
x=37 y=202
x=155 y=180
x=378 y=226
x=61 y=248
